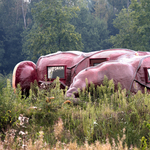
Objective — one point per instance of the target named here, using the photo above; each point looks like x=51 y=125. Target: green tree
x=119 y=4
x=51 y=30
x=106 y=11
x=10 y=40
x=1 y=52
x=134 y=27
x=79 y=3
x=93 y=31
x=101 y=9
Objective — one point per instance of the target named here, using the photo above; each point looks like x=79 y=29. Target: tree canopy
x=11 y=28
x=93 y=31
x=40 y=27
x=52 y=31
x=134 y=26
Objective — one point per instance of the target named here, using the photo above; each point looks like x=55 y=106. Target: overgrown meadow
x=103 y=118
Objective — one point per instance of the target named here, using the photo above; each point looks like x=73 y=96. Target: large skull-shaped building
x=130 y=68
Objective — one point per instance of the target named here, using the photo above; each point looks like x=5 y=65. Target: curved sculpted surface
x=132 y=72
x=24 y=74
x=75 y=62
x=72 y=67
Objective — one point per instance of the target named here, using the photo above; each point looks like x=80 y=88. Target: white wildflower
x=22 y=133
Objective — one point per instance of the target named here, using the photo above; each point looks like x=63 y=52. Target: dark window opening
x=97 y=61
x=147 y=74
x=54 y=71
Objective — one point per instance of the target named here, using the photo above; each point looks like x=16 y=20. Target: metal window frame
x=57 y=65
x=97 y=60
x=147 y=79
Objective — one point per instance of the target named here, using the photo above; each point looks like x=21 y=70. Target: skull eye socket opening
x=147 y=75
x=97 y=61
x=56 y=71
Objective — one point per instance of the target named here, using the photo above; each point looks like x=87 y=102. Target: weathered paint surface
x=75 y=62
x=117 y=64
x=24 y=74
x=128 y=70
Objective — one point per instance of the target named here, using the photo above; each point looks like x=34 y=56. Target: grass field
x=105 y=119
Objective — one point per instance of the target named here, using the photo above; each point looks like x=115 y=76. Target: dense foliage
x=10 y=35
x=133 y=25
x=51 y=30
x=29 y=29
x=104 y=116
x=94 y=36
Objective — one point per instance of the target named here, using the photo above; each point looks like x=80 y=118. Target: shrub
x=103 y=115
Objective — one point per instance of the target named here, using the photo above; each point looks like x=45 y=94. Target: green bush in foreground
x=102 y=114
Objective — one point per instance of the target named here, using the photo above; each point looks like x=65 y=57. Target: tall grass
x=103 y=118
x=3 y=80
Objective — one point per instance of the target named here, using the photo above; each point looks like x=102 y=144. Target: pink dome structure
x=130 y=68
